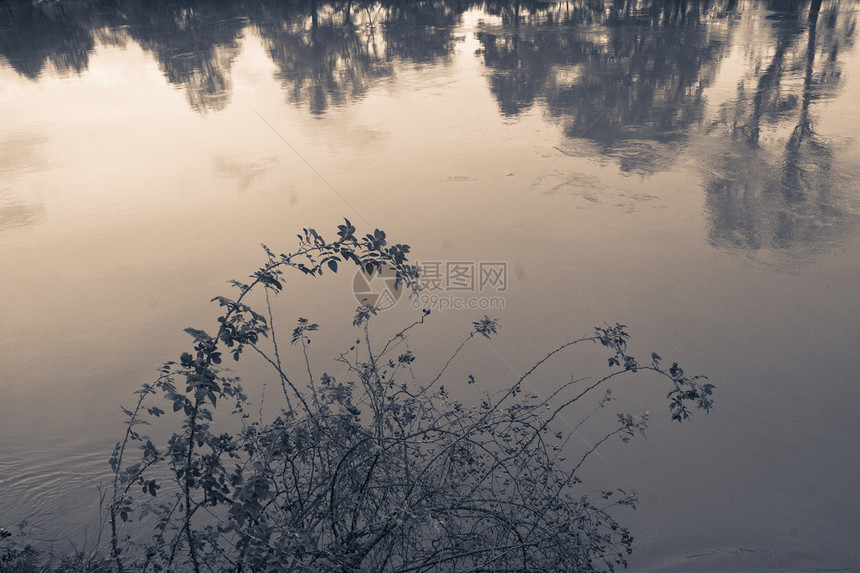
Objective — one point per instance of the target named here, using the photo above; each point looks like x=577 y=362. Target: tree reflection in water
x=629 y=80
x=32 y=37
x=331 y=54
x=629 y=77
x=194 y=43
x=321 y=60
x=772 y=187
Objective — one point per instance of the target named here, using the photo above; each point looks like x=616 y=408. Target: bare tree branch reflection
x=775 y=186
x=330 y=54
x=630 y=80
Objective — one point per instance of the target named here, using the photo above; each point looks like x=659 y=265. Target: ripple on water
x=55 y=493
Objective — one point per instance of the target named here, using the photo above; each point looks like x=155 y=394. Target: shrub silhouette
x=379 y=473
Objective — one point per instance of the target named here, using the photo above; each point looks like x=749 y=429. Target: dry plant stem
x=285 y=381
x=448 y=363
x=120 y=451
x=308 y=369
x=376 y=391
x=466 y=435
x=277 y=357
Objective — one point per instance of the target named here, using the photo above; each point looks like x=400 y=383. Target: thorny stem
x=448 y=363
x=374 y=383
x=308 y=367
x=189 y=478
x=286 y=380
x=277 y=354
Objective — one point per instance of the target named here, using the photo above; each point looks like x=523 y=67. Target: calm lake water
x=690 y=169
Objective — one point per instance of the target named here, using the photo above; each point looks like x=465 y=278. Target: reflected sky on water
x=687 y=168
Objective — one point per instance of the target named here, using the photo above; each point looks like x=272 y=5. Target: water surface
x=688 y=169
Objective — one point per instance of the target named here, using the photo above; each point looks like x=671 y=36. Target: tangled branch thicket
x=379 y=473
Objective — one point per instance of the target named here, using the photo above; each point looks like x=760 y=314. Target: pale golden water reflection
x=689 y=169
